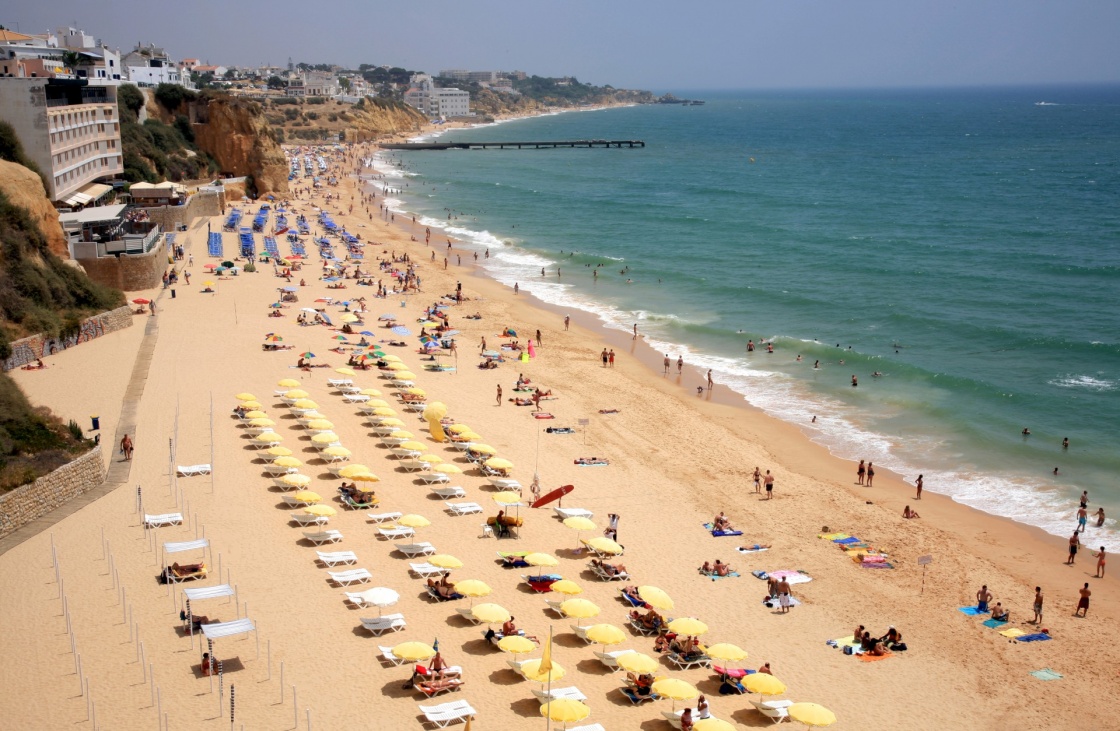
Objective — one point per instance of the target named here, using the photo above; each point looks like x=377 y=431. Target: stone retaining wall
x=31 y=502
x=129 y=272
x=199 y=205
x=28 y=349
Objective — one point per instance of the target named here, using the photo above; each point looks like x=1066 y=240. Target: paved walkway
x=119 y=470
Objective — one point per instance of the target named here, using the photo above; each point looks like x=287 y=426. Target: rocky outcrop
x=24 y=188
x=373 y=119
x=235 y=133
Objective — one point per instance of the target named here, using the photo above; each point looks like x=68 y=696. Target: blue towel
x=1046 y=674
x=1034 y=638
x=972 y=611
x=994 y=623
x=722 y=533
x=849 y=539
x=760 y=574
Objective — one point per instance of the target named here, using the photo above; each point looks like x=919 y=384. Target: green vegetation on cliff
x=154 y=151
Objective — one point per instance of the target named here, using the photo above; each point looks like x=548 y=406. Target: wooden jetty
x=510 y=145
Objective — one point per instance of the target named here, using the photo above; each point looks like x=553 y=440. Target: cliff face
x=372 y=121
x=236 y=134
x=25 y=189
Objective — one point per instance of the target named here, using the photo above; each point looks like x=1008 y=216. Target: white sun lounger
x=352 y=576
x=446 y=714
x=194 y=469
x=425 y=570
x=405 y=454
x=355 y=398
x=605 y=576
x=688 y=663
x=434 y=478
x=610 y=659
x=384 y=623
x=565 y=513
x=589 y=727
x=334 y=558
x=339 y=382
x=387 y=654
x=505 y=483
x=349 y=388
x=326 y=536
x=296 y=503
x=308 y=520
x=155 y=521
x=774 y=710
x=463 y=508
x=383 y=517
x=402 y=531
x=466 y=614
x=415 y=406
x=416 y=549
x=450 y=491
x=277 y=471
x=554 y=605
x=570 y=693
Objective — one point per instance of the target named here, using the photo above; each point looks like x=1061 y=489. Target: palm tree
x=71 y=60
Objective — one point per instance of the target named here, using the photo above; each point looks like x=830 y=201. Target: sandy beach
x=675 y=461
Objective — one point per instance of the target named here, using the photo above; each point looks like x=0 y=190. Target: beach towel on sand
x=751 y=549
x=792 y=577
x=849 y=539
x=865 y=657
x=1038 y=637
x=971 y=611
x=760 y=574
x=832 y=536
x=713 y=577
x=775 y=603
x=850 y=640
x=1046 y=674
x=994 y=623
x=710 y=527
x=1013 y=632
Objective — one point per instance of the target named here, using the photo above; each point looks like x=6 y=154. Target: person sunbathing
x=720 y=522
x=197 y=620
x=431 y=687
x=610 y=411
x=514 y=561
x=592 y=461
x=518 y=401
x=878 y=650
x=509 y=629
x=39 y=365
x=908 y=513
x=630 y=591
x=187 y=569
x=640 y=683
x=706 y=569
x=756 y=547
x=445 y=591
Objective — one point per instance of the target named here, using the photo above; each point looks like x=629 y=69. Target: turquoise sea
x=964 y=243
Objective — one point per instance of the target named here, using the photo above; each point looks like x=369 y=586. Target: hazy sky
x=655 y=44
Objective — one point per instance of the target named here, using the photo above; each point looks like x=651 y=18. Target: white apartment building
x=150 y=66
x=70 y=129
x=435 y=102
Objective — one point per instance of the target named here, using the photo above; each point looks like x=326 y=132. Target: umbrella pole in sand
x=548 y=726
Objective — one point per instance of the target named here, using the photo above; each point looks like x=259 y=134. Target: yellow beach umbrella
x=429 y=323
x=811 y=714
x=251 y=405
x=565 y=710
x=279 y=452
x=288 y=383
x=675 y=688
x=245 y=397
x=470 y=436
x=415 y=392
x=405 y=376
x=312 y=415
x=391 y=421
x=458 y=428
x=605 y=634
x=269 y=437
x=296 y=480
x=337 y=451
x=433 y=411
x=498 y=463
x=286 y=462
x=432 y=459
x=448 y=469
x=712 y=724
x=483 y=449
x=320 y=424
x=637 y=662
x=445 y=561
x=401 y=434
x=656 y=598
x=507 y=497
x=764 y=684
x=323 y=511
x=491 y=614
x=579 y=608
x=413 y=651
x=257 y=414
x=296 y=393
x=352 y=470
x=345 y=371
x=602 y=544
x=396 y=366
x=412 y=520
x=391 y=358
x=348 y=318
x=262 y=422
x=514 y=644
x=472 y=588
x=376 y=403
x=384 y=411
x=307 y=496
x=541 y=559
x=688 y=626
x=365 y=477
x=566 y=586
x=325 y=438
x=727 y=652
x=305 y=403
x=414 y=445
x=579 y=523
x=532 y=671
x=370 y=392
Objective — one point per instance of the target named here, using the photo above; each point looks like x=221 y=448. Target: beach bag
x=849 y=650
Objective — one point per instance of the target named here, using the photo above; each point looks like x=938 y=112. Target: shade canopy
x=413 y=651
x=811 y=714
x=764 y=684
x=217 y=630
x=675 y=688
x=491 y=614
x=565 y=710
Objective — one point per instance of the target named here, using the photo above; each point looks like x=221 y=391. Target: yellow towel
x=849 y=640
x=1013 y=632
x=833 y=536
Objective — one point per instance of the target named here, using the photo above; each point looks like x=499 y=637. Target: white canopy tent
x=202 y=544
x=241 y=626
x=208 y=592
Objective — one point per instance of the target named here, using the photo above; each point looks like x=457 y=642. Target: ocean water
x=965 y=244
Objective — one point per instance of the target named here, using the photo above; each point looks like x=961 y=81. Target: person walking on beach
x=860 y=472
x=768 y=481
x=635 y=331
x=567 y=321
x=515 y=288
x=1038 y=605
x=610 y=357
x=757 y=480
x=1100 y=563
x=604 y=356
x=918 y=484
x=710 y=384
x=667 y=362
x=499 y=394
x=1083 y=603
x=982 y=598
x=1082 y=518
x=784 y=595
x=870 y=473
x=680 y=364
x=1074 y=544
x=126 y=447
x=538 y=338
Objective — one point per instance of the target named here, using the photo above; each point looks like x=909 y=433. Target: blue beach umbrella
x=366 y=332
x=402 y=330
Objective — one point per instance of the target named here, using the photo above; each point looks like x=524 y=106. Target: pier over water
x=511 y=145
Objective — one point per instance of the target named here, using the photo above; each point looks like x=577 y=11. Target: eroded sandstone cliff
x=24 y=188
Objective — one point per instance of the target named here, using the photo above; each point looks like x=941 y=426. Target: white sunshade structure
x=208 y=592
x=202 y=544
x=218 y=630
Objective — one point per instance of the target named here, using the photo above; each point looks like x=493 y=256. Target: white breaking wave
x=1091 y=383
